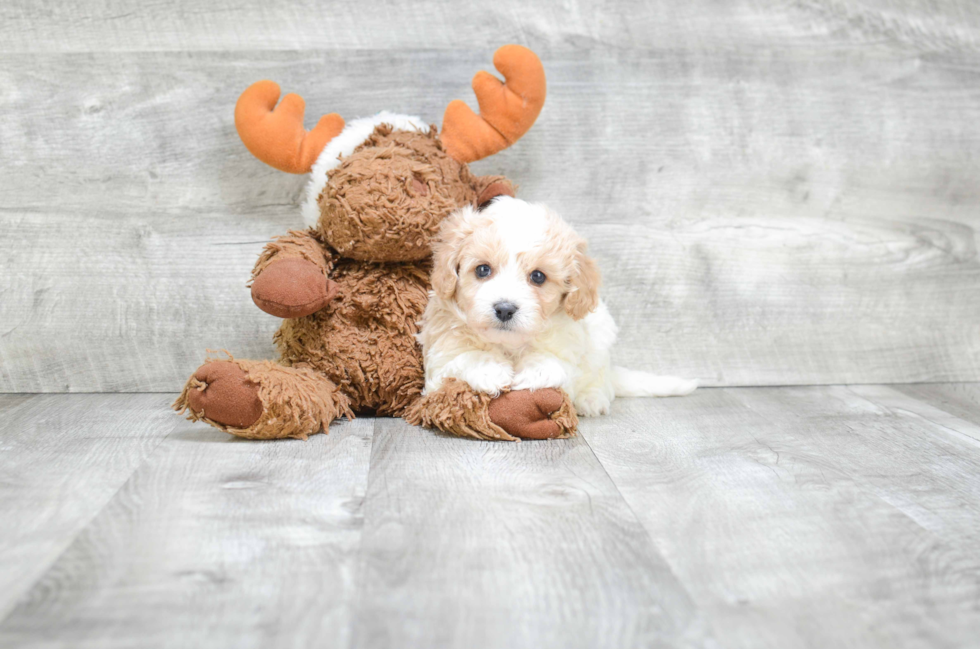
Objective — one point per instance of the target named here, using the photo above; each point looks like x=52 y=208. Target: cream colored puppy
x=515 y=304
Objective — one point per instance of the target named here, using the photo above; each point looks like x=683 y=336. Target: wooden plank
x=781 y=509
x=920 y=459
x=945 y=421
x=750 y=515
x=63 y=457
x=131 y=304
x=485 y=544
x=48 y=25
x=961 y=400
x=633 y=136
x=806 y=218
x=214 y=541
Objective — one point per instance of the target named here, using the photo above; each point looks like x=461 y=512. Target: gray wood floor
x=738 y=517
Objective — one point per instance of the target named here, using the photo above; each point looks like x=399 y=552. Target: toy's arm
x=467 y=393
x=457 y=409
x=291 y=277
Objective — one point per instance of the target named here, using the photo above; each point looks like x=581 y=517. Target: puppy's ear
x=583 y=297
x=446 y=249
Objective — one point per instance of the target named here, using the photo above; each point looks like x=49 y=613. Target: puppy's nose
x=505 y=310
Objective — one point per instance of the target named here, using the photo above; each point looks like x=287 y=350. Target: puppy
x=515 y=305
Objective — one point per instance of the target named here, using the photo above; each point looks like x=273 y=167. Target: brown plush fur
x=547 y=413
x=378 y=212
x=295 y=244
x=384 y=202
x=565 y=417
x=456 y=409
x=364 y=341
x=297 y=401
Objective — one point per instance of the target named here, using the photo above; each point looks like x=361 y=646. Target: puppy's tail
x=632 y=383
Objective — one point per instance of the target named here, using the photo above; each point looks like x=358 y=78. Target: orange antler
x=275 y=135
x=507 y=109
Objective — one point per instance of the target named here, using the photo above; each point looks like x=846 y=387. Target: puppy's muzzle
x=505 y=310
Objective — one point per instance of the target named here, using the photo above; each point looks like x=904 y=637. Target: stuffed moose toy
x=352 y=288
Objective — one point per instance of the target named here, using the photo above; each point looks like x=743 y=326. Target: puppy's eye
x=483 y=271
x=537 y=277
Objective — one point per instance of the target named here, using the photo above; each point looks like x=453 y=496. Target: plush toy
x=353 y=286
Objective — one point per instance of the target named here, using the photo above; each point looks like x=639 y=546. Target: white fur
x=531 y=351
x=353 y=135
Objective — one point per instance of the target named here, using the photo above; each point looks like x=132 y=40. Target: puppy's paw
x=592 y=404
x=540 y=373
x=489 y=378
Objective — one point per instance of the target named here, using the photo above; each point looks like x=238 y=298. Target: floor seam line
x=358 y=576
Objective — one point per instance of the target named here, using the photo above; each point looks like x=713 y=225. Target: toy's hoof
x=292 y=288
x=228 y=397
x=527 y=414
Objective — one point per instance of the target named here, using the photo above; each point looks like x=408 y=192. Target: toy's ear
x=583 y=297
x=446 y=250
x=507 y=109
x=492 y=187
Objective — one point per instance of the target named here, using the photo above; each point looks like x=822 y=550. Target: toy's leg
x=457 y=409
x=261 y=399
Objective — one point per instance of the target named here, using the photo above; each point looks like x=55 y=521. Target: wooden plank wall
x=778 y=192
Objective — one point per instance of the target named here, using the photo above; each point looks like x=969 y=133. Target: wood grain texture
x=762 y=217
x=783 y=509
x=933 y=406
x=213 y=542
x=483 y=544
x=777 y=517
x=961 y=400
x=135 y=302
x=62 y=458
x=127 y=25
